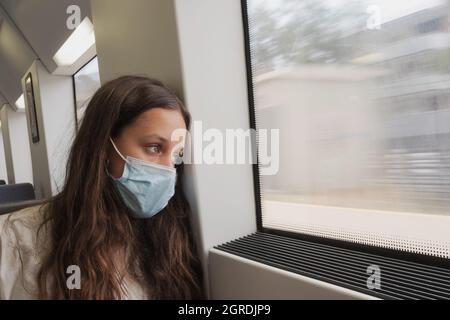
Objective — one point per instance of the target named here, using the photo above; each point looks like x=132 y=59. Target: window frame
x=365 y=248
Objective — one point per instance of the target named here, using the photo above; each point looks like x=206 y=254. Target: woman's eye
x=153 y=149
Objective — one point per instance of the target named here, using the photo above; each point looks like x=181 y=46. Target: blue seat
x=16 y=206
x=11 y=193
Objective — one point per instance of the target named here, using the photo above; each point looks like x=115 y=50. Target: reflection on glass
x=87 y=82
x=360 y=92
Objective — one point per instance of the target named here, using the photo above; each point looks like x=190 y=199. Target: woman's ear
x=115 y=164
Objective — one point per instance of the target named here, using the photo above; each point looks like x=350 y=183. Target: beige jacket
x=21 y=252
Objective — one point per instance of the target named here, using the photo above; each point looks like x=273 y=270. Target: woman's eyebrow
x=155 y=136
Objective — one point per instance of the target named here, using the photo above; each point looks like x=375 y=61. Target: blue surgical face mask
x=145 y=187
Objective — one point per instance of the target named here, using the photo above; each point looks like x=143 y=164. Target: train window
x=86 y=82
x=360 y=91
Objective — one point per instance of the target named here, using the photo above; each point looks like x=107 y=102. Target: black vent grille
x=344 y=267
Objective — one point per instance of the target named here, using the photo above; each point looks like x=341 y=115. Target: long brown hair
x=90 y=225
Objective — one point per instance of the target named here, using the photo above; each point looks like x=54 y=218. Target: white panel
x=7 y=143
x=55 y=111
x=215 y=86
x=20 y=148
x=3 y=173
x=233 y=277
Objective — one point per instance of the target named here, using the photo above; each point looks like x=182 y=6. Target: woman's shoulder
x=21 y=251
x=30 y=217
x=22 y=226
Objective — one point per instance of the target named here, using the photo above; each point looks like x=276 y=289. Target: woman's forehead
x=159 y=121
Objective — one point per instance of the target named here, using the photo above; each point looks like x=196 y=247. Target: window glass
x=87 y=82
x=360 y=93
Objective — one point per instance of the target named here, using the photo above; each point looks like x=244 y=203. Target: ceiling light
x=81 y=39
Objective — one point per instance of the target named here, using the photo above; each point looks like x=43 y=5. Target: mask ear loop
x=117 y=150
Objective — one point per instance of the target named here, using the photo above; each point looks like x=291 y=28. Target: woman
x=121 y=221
